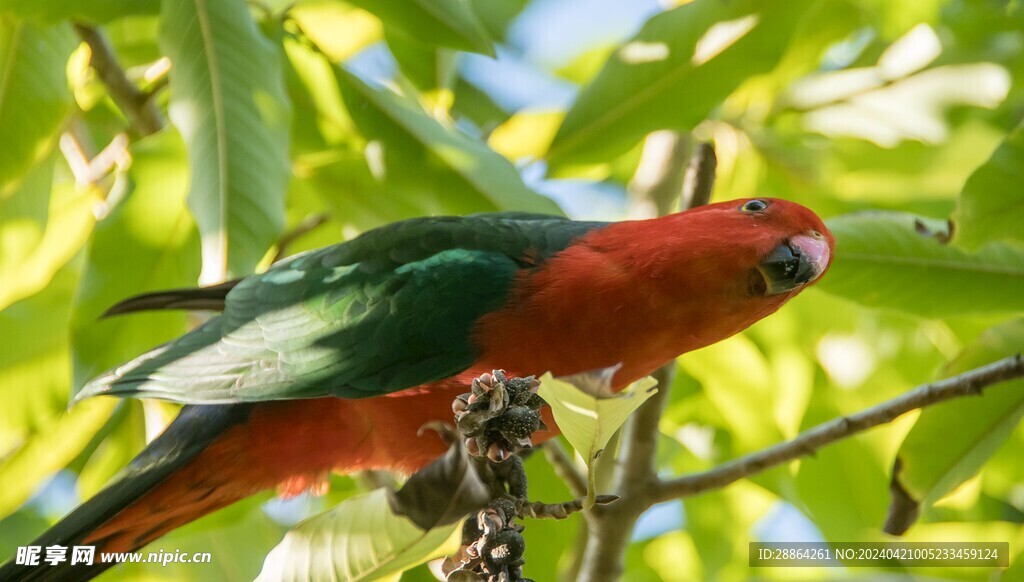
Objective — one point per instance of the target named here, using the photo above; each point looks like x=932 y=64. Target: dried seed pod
x=535 y=402
x=518 y=422
x=505 y=549
x=506 y=507
x=524 y=444
x=498 y=400
x=465 y=576
x=461 y=403
x=496 y=453
x=490 y=521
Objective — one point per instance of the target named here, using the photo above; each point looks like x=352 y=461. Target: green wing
x=389 y=310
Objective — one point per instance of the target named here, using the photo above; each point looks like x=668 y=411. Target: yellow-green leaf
x=588 y=419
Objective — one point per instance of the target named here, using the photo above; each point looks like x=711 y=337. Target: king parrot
x=333 y=359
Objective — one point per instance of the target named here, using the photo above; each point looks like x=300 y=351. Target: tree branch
x=967 y=384
x=635 y=479
x=699 y=181
x=143 y=115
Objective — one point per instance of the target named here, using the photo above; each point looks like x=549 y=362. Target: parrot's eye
x=754 y=206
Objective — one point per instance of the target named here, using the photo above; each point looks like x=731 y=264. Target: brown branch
x=308 y=224
x=967 y=384
x=635 y=480
x=699 y=180
x=538 y=510
x=143 y=115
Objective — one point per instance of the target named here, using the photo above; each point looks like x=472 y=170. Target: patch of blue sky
x=288 y=512
x=785 y=523
x=660 y=519
x=57 y=497
x=514 y=84
x=552 y=33
x=579 y=199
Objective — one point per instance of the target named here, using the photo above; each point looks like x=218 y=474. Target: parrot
x=331 y=360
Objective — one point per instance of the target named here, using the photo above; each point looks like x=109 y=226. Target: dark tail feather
x=206 y=298
x=195 y=428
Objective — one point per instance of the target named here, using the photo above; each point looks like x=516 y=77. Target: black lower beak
x=788 y=267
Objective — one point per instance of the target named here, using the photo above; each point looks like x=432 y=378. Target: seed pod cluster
x=492 y=547
x=498 y=415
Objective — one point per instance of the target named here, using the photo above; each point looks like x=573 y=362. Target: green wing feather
x=391 y=309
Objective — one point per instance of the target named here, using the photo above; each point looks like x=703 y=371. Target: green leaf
x=147 y=243
x=673 y=73
x=339 y=29
x=429 y=68
x=497 y=15
x=228 y=101
x=320 y=121
x=422 y=156
x=450 y=23
x=951 y=441
x=882 y=260
x=360 y=539
x=92 y=10
x=34 y=94
x=38 y=436
x=43 y=224
x=992 y=202
x=588 y=419
x=383 y=533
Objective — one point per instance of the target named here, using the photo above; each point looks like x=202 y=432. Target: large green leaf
x=94 y=10
x=450 y=23
x=590 y=418
x=679 y=67
x=38 y=436
x=429 y=68
x=34 y=94
x=147 y=243
x=882 y=260
x=382 y=533
x=228 y=101
x=320 y=121
x=361 y=539
x=422 y=156
x=951 y=441
x=43 y=224
x=992 y=202
x=496 y=15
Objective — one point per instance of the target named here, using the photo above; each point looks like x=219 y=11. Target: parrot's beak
x=794 y=263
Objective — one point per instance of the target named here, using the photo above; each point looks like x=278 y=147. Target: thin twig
x=143 y=115
x=967 y=384
x=308 y=224
x=564 y=467
x=538 y=510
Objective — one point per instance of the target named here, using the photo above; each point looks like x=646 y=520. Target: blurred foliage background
x=205 y=131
